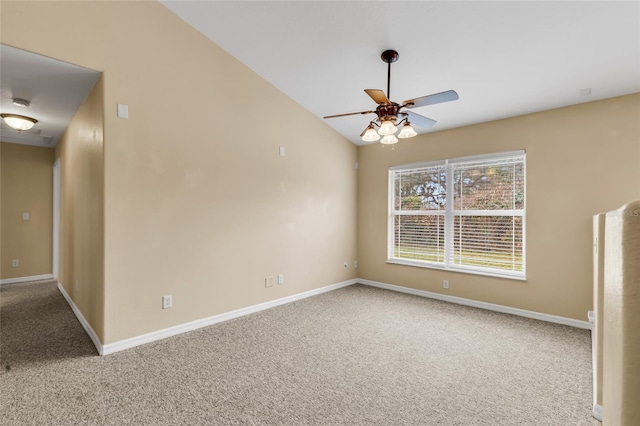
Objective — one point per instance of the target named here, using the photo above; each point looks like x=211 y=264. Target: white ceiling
x=56 y=90
x=503 y=58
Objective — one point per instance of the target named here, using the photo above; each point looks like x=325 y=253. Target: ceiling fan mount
x=388 y=112
x=389 y=56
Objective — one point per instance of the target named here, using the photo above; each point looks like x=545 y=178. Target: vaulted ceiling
x=503 y=58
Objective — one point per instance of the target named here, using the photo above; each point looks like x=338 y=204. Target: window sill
x=437 y=266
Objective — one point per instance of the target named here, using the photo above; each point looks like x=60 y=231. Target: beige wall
x=193 y=207
x=199 y=210
x=80 y=151
x=581 y=160
x=27 y=187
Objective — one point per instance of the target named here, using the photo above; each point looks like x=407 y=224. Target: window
x=464 y=214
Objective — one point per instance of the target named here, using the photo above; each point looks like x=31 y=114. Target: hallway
x=38 y=326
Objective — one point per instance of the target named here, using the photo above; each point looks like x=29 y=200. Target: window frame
x=449 y=214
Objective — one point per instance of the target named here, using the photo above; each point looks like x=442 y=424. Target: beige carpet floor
x=354 y=356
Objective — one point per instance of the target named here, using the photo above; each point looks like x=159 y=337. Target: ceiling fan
x=388 y=112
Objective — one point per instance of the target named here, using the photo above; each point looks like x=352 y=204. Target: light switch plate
x=26 y=216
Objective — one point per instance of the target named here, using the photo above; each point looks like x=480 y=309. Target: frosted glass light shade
x=370 y=135
x=19 y=122
x=389 y=140
x=407 y=132
x=387 y=128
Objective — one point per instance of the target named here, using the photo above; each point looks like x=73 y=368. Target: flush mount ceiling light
x=390 y=117
x=19 y=122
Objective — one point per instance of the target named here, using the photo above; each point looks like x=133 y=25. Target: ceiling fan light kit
x=387 y=127
x=370 y=135
x=388 y=140
x=19 y=122
x=407 y=131
x=389 y=114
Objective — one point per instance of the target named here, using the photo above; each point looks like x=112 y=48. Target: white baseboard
x=92 y=335
x=26 y=279
x=482 y=305
x=597 y=411
x=194 y=325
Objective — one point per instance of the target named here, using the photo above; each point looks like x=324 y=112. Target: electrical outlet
x=166 y=302
x=280 y=279
x=355 y=264
x=76 y=285
x=445 y=284
x=15 y=263
x=345 y=265
x=268 y=282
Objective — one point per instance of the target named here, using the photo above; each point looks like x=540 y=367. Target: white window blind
x=463 y=214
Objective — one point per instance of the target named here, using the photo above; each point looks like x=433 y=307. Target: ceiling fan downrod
x=389 y=56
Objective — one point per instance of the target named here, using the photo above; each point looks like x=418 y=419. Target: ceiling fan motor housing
x=387 y=112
